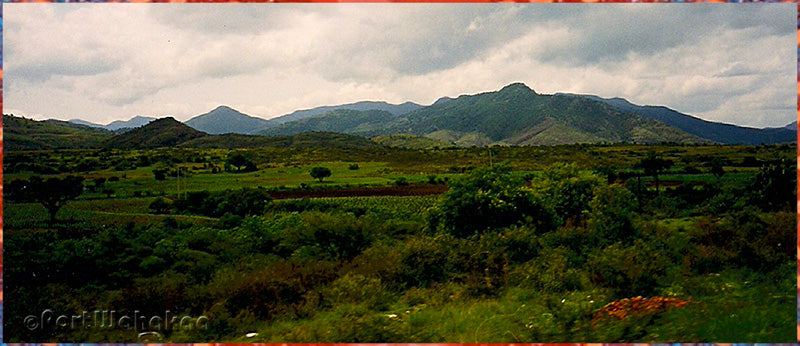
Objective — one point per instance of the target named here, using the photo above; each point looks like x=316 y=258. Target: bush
x=160 y=206
x=358 y=289
x=488 y=199
x=610 y=215
x=243 y=202
x=424 y=261
x=567 y=190
x=629 y=270
x=775 y=186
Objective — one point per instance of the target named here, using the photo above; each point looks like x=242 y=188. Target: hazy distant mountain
x=358 y=106
x=132 y=123
x=712 y=131
x=118 y=124
x=85 y=123
x=792 y=126
x=517 y=115
x=27 y=134
x=339 y=121
x=164 y=132
x=224 y=119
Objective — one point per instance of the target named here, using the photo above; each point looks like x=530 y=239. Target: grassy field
x=540 y=244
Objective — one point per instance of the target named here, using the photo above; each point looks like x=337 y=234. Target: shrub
x=424 y=261
x=775 y=186
x=629 y=270
x=160 y=206
x=358 y=289
x=567 y=190
x=243 y=202
x=488 y=199
x=610 y=213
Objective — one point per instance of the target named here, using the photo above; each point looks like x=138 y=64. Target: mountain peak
x=517 y=86
x=223 y=108
x=224 y=119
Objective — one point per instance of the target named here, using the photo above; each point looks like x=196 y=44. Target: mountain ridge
x=396 y=109
x=713 y=131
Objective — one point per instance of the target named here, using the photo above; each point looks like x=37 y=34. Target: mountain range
x=513 y=115
x=117 y=125
x=358 y=106
x=712 y=131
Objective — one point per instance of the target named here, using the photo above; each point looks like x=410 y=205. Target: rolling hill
x=224 y=119
x=340 y=121
x=26 y=134
x=164 y=132
x=400 y=109
x=712 y=131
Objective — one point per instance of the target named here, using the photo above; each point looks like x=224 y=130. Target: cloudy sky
x=734 y=63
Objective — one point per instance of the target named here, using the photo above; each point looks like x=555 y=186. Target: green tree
x=489 y=199
x=775 y=185
x=160 y=174
x=717 y=168
x=237 y=160
x=320 y=173
x=568 y=189
x=610 y=215
x=52 y=193
x=653 y=165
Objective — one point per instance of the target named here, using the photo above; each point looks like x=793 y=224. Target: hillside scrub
x=559 y=254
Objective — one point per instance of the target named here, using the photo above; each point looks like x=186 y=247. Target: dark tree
x=608 y=172
x=717 y=168
x=775 y=186
x=320 y=173
x=160 y=205
x=653 y=165
x=99 y=183
x=237 y=160
x=160 y=174
x=52 y=193
x=250 y=166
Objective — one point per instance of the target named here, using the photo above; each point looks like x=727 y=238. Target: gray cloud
x=730 y=62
